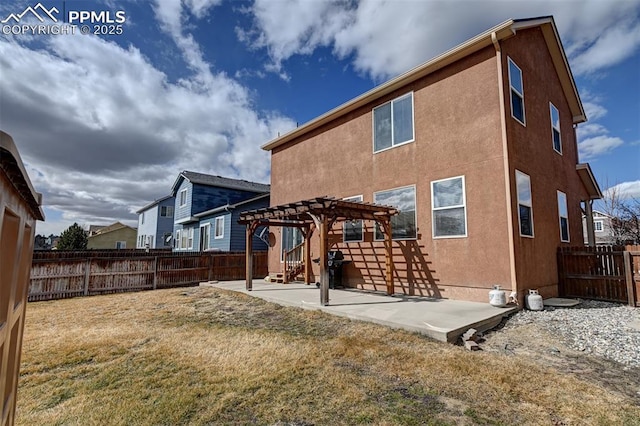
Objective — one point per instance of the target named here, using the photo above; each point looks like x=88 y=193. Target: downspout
x=505 y=159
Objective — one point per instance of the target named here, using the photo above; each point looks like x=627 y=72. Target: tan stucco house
x=114 y=236
x=476 y=148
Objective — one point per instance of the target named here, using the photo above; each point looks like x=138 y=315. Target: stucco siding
x=457 y=133
x=109 y=239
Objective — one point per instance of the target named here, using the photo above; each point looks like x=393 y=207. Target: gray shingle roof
x=223 y=182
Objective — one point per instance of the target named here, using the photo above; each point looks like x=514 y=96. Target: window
x=140 y=241
x=403 y=224
x=598 y=225
x=149 y=241
x=167 y=211
x=121 y=244
x=448 y=202
x=142 y=218
x=183 y=197
x=555 y=128
x=184 y=238
x=219 y=232
x=177 y=242
x=516 y=91
x=393 y=123
x=291 y=237
x=205 y=236
x=525 y=211
x=190 y=238
x=563 y=214
x=352 y=229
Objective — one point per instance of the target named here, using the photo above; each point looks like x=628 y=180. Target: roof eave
x=589 y=181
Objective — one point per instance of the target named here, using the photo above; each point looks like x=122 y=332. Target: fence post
x=87 y=272
x=155 y=272
x=628 y=277
x=210 y=267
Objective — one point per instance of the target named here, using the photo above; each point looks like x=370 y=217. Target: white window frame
x=415 y=213
x=530 y=205
x=597 y=222
x=562 y=198
x=435 y=209
x=184 y=191
x=178 y=240
x=552 y=107
x=142 y=218
x=121 y=245
x=217 y=236
x=513 y=89
x=190 y=238
x=149 y=240
x=168 y=211
x=413 y=124
x=208 y=234
x=356 y=198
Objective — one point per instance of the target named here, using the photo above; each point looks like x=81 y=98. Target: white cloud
x=386 y=38
x=595 y=146
x=594 y=110
x=626 y=190
x=104 y=131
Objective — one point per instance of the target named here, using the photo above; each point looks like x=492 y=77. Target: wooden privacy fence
x=608 y=273
x=63 y=278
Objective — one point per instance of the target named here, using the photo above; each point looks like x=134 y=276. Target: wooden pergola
x=319 y=213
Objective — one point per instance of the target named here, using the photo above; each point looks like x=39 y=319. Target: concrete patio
x=441 y=319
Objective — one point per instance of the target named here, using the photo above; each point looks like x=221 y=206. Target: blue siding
x=185 y=211
x=238 y=232
x=165 y=224
x=209 y=197
x=218 y=243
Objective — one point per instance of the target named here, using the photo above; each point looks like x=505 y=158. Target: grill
x=335 y=263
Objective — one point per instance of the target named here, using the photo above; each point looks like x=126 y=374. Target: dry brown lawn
x=207 y=356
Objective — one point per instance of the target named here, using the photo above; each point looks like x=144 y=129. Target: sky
x=105 y=122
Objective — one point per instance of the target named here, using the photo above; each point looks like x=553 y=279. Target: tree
x=73 y=238
x=631 y=219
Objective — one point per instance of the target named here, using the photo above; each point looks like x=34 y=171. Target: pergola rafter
x=319 y=213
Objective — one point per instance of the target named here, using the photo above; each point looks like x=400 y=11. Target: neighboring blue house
x=206 y=209
x=155 y=224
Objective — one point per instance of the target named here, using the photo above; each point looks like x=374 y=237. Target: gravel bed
x=610 y=330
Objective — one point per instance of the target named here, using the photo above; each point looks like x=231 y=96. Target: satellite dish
x=168 y=239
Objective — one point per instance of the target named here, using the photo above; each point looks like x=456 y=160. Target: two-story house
x=155 y=224
x=476 y=148
x=206 y=209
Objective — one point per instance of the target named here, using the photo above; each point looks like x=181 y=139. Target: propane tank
x=497 y=297
x=533 y=301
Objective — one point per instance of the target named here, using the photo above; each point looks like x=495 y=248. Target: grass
x=206 y=356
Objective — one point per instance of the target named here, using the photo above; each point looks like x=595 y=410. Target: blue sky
x=105 y=123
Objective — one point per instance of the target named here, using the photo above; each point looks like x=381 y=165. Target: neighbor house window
x=598 y=225
x=190 y=238
x=403 y=224
x=393 y=123
x=448 y=202
x=525 y=210
x=121 y=244
x=563 y=214
x=140 y=241
x=352 y=229
x=167 y=211
x=205 y=236
x=183 y=197
x=555 y=128
x=177 y=242
x=142 y=218
x=516 y=91
x=219 y=231
x=149 y=241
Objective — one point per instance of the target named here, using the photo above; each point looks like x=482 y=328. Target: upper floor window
x=219 y=229
x=563 y=214
x=516 y=92
x=449 y=208
x=598 y=225
x=183 y=197
x=393 y=123
x=525 y=206
x=555 y=128
x=404 y=223
x=352 y=229
x=142 y=218
x=167 y=211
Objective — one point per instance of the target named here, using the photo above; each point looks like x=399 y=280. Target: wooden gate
x=602 y=273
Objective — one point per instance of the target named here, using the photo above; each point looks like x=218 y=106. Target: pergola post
x=324 y=261
x=307 y=254
x=591 y=236
x=249 y=254
x=388 y=256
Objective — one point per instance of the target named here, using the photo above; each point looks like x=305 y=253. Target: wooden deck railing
x=76 y=276
x=293 y=262
x=608 y=273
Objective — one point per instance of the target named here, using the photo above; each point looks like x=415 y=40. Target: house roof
x=589 y=181
x=219 y=181
x=153 y=203
x=11 y=164
x=232 y=206
x=500 y=32
x=110 y=228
